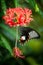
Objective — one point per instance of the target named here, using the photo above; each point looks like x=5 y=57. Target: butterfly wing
x=33 y=34
x=23 y=34
x=28 y=33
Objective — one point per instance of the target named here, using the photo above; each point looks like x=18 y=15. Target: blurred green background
x=33 y=49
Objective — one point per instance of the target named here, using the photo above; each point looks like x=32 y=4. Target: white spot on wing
x=23 y=37
x=33 y=34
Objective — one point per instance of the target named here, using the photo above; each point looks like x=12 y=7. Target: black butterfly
x=27 y=33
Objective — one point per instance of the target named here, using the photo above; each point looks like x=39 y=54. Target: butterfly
x=27 y=33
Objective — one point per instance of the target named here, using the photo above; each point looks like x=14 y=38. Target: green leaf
x=16 y=3
x=3 y=6
x=6 y=44
x=9 y=32
x=4 y=54
x=32 y=61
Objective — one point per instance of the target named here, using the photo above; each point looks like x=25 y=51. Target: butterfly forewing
x=33 y=34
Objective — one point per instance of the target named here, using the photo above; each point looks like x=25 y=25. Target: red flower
x=17 y=16
x=18 y=53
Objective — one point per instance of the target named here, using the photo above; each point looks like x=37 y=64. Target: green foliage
x=33 y=49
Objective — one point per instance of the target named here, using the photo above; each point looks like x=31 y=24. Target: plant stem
x=16 y=36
